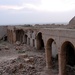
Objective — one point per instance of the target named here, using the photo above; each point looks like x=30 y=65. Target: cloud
x=44 y=5
x=57 y=5
x=16 y=7
x=7 y=7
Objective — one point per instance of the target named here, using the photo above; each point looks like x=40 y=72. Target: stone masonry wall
x=3 y=31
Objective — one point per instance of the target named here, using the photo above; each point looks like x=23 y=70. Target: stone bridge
x=63 y=40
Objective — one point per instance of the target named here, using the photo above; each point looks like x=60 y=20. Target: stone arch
x=39 y=41
x=50 y=61
x=67 y=58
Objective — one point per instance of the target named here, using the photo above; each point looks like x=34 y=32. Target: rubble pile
x=23 y=65
x=70 y=70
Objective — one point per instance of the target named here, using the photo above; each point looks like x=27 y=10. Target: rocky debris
x=3 y=47
x=6 y=48
x=27 y=60
x=18 y=43
x=20 y=67
x=21 y=51
x=70 y=70
x=31 y=62
x=23 y=56
x=31 y=66
x=13 y=61
x=31 y=59
x=18 y=48
x=11 y=69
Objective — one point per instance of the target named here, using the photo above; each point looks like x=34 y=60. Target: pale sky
x=36 y=11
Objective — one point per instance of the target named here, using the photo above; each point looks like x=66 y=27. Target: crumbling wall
x=11 y=34
x=3 y=31
x=72 y=21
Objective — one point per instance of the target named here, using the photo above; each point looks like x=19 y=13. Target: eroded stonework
x=43 y=36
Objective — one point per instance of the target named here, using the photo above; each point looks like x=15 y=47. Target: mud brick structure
x=43 y=36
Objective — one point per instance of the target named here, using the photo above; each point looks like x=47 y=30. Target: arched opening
x=68 y=58
x=51 y=55
x=25 y=39
x=5 y=38
x=40 y=42
x=19 y=35
x=54 y=49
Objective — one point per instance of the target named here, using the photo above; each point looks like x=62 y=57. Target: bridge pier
x=62 y=64
x=48 y=57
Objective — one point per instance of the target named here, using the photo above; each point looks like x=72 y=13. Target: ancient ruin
x=57 y=41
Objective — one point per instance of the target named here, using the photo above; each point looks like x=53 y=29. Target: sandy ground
x=10 y=54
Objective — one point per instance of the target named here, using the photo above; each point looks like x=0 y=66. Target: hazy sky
x=36 y=11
